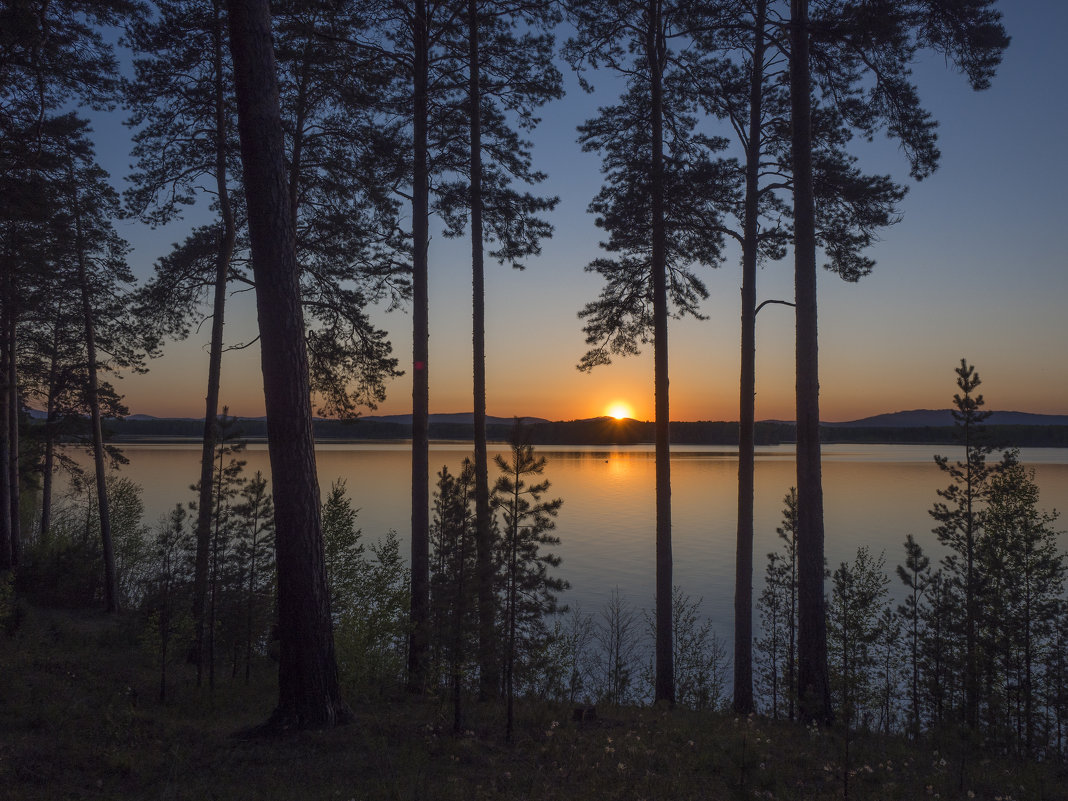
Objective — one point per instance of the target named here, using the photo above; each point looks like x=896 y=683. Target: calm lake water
x=874 y=495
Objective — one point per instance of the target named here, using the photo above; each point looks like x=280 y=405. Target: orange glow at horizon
x=620 y=410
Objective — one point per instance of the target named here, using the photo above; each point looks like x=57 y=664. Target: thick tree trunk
x=743 y=574
x=665 y=669
x=419 y=639
x=111 y=583
x=308 y=692
x=813 y=684
x=487 y=660
x=211 y=400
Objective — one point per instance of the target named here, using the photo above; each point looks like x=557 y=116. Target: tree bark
x=12 y=472
x=6 y=551
x=49 y=431
x=211 y=400
x=488 y=681
x=308 y=692
x=665 y=669
x=111 y=582
x=743 y=576
x=7 y=559
x=419 y=639
x=813 y=683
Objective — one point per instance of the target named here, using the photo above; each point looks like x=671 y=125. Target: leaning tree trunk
x=813 y=684
x=111 y=582
x=487 y=660
x=419 y=639
x=743 y=576
x=665 y=669
x=308 y=691
x=211 y=401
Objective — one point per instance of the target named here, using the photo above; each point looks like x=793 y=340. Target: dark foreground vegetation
x=85 y=723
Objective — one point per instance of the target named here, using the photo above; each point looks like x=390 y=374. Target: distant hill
x=919 y=418
x=919 y=426
x=457 y=418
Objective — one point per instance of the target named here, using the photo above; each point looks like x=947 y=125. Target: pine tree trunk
x=665 y=670
x=7 y=553
x=111 y=583
x=419 y=639
x=488 y=680
x=251 y=600
x=743 y=577
x=47 y=471
x=211 y=400
x=513 y=578
x=308 y=692
x=971 y=657
x=50 y=433
x=813 y=684
x=12 y=472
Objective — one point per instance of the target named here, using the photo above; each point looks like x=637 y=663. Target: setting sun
x=620 y=410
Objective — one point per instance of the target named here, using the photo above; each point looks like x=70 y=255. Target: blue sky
x=977 y=268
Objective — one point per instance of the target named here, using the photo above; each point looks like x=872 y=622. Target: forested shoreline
x=608 y=431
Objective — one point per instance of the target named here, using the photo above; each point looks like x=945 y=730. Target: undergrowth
x=79 y=718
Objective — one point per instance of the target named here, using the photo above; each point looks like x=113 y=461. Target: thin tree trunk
x=7 y=557
x=791 y=665
x=665 y=670
x=419 y=638
x=971 y=658
x=211 y=400
x=308 y=691
x=484 y=556
x=814 y=692
x=743 y=577
x=458 y=635
x=513 y=570
x=251 y=600
x=50 y=434
x=915 y=726
x=214 y=574
x=111 y=583
x=13 y=439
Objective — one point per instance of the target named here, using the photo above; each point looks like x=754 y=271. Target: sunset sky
x=977 y=268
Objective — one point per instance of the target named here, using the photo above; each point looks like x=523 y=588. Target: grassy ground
x=79 y=718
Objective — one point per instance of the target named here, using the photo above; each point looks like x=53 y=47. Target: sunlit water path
x=874 y=496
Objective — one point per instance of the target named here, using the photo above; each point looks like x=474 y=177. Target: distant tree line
x=606 y=431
